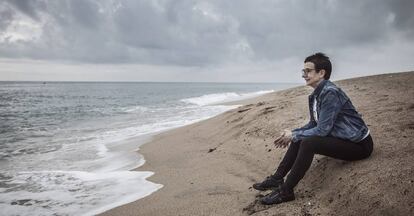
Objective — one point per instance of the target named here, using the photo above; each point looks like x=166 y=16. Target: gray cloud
x=404 y=18
x=6 y=16
x=28 y=7
x=293 y=27
x=198 y=33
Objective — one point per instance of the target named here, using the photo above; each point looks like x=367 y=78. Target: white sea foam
x=73 y=192
x=134 y=109
x=168 y=118
x=211 y=99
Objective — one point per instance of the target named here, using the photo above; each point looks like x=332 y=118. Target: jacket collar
x=319 y=88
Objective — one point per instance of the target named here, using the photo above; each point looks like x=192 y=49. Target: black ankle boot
x=278 y=195
x=271 y=182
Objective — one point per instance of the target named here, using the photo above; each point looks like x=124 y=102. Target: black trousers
x=299 y=155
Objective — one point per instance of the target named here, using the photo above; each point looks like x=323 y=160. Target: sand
x=207 y=168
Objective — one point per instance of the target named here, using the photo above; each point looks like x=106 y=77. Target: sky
x=201 y=41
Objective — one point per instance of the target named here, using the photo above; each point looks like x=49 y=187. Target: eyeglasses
x=306 y=71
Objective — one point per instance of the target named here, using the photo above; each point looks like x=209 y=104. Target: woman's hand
x=284 y=139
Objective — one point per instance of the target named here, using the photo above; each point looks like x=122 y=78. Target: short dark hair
x=321 y=62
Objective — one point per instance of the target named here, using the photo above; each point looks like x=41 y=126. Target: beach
x=208 y=168
x=69 y=148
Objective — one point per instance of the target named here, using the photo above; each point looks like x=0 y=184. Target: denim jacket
x=337 y=116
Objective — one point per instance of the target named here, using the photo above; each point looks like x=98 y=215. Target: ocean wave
x=211 y=99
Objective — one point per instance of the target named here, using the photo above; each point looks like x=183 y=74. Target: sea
x=70 y=148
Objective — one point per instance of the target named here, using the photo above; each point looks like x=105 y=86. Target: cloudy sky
x=203 y=41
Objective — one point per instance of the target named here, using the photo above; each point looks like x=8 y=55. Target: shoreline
x=139 y=141
x=207 y=167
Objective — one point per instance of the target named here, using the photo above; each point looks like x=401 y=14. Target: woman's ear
x=322 y=73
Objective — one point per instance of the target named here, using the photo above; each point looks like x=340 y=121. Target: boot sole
x=277 y=202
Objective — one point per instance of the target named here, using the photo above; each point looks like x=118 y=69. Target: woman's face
x=310 y=75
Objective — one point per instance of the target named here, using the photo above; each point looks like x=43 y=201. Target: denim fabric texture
x=337 y=116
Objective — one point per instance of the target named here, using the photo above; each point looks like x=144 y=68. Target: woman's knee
x=310 y=143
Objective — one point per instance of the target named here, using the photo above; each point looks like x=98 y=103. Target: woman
x=335 y=129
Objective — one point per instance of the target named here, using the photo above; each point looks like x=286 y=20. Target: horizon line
x=100 y=81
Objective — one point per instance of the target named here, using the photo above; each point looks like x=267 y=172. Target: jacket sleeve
x=309 y=125
x=330 y=107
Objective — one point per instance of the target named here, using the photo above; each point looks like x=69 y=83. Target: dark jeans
x=299 y=155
